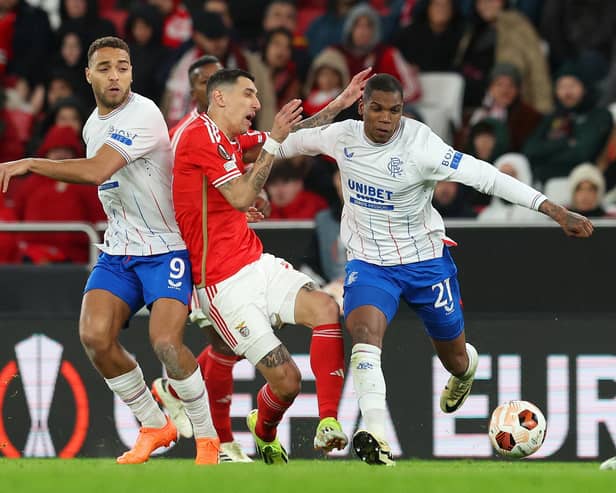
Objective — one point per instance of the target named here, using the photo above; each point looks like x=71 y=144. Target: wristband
x=271 y=146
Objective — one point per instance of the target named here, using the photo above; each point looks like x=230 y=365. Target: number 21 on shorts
x=444 y=298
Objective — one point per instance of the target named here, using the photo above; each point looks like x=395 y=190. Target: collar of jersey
x=130 y=97
x=392 y=138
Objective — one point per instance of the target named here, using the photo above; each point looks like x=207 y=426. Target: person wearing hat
x=575 y=132
x=587 y=189
x=211 y=37
x=503 y=102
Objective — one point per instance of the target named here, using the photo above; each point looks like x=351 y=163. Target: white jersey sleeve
x=438 y=161
x=138 y=134
x=313 y=141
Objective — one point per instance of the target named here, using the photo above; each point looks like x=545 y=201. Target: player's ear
x=219 y=98
x=88 y=75
x=360 y=107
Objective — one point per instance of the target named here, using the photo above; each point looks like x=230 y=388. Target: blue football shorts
x=430 y=288
x=141 y=280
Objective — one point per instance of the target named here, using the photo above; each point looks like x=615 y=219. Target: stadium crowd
x=529 y=85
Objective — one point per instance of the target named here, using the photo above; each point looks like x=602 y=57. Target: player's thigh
x=371 y=299
x=167 y=321
x=315 y=308
x=217 y=342
x=283 y=285
x=166 y=275
x=112 y=294
x=238 y=309
x=439 y=307
x=103 y=315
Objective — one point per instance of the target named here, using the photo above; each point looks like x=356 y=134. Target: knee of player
x=322 y=310
x=165 y=347
x=363 y=333
x=95 y=337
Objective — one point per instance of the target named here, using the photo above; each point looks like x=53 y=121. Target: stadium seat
x=441 y=102
x=557 y=190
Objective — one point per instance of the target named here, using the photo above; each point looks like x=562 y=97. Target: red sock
x=271 y=409
x=327 y=363
x=217 y=371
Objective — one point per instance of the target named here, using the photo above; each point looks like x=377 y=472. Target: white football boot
x=232 y=452
x=457 y=389
x=173 y=406
x=372 y=449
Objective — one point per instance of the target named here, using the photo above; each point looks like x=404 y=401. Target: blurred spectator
x=326 y=30
x=12 y=144
x=81 y=17
x=247 y=19
x=449 y=200
x=220 y=7
x=8 y=241
x=580 y=29
x=327 y=77
x=497 y=35
x=517 y=166
x=332 y=253
x=66 y=112
x=530 y=8
x=362 y=48
x=276 y=55
x=289 y=200
x=177 y=23
x=437 y=24
x=71 y=61
x=211 y=37
x=148 y=55
x=587 y=187
x=283 y=13
x=488 y=140
x=503 y=102
x=575 y=132
x=30 y=41
x=44 y=199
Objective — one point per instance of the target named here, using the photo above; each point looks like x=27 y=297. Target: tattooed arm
x=242 y=192
x=344 y=100
x=572 y=223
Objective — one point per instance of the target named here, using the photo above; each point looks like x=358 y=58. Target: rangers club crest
x=395 y=167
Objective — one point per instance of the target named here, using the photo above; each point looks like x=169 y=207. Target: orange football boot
x=148 y=440
x=207 y=451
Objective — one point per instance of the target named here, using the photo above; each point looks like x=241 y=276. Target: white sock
x=193 y=394
x=369 y=386
x=131 y=388
x=471 y=352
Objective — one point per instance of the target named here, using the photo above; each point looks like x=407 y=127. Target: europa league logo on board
x=38 y=364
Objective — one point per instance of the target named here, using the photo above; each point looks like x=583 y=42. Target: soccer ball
x=517 y=429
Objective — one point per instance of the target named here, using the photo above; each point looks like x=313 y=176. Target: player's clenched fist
x=289 y=115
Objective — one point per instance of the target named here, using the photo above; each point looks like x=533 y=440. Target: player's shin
x=132 y=390
x=217 y=371
x=369 y=386
x=271 y=409
x=193 y=394
x=327 y=363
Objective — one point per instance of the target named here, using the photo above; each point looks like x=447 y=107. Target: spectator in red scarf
x=177 y=24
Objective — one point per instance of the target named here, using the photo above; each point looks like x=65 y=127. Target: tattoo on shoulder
x=309 y=286
x=276 y=357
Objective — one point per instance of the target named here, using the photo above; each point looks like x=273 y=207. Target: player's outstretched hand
x=289 y=115
x=355 y=89
x=254 y=216
x=10 y=169
x=576 y=225
x=573 y=224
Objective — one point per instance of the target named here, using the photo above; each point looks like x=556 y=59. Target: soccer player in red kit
x=243 y=291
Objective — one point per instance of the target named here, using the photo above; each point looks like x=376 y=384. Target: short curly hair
x=107 y=42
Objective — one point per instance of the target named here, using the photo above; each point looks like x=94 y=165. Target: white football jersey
x=388 y=218
x=136 y=198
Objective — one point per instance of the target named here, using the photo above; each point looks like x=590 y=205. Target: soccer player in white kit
x=396 y=243
x=144 y=259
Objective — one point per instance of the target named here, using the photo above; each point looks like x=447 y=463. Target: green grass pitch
x=302 y=476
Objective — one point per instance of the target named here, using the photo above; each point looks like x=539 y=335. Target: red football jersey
x=219 y=240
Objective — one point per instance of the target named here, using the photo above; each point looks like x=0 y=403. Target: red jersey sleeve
x=251 y=139
x=217 y=160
